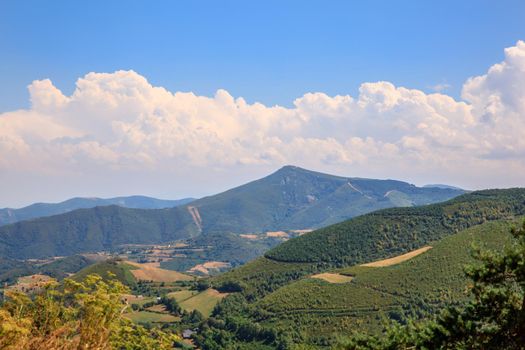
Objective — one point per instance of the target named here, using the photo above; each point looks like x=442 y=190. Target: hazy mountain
x=291 y=198
x=9 y=215
x=442 y=186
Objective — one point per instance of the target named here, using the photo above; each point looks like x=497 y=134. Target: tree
x=493 y=319
x=171 y=304
x=75 y=315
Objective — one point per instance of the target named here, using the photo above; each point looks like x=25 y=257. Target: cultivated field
x=152 y=272
x=203 y=301
x=397 y=259
x=209 y=265
x=182 y=295
x=333 y=277
x=153 y=317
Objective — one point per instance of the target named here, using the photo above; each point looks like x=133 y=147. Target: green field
x=182 y=295
x=204 y=301
x=150 y=317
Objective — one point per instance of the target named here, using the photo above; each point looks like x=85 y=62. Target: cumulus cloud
x=119 y=122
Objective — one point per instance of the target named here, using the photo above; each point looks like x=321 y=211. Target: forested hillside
x=97 y=229
x=315 y=310
x=393 y=231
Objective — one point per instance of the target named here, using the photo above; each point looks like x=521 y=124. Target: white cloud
x=441 y=87
x=118 y=123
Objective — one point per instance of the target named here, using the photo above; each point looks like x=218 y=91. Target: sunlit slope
x=317 y=308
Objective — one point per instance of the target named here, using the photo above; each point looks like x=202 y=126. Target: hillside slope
x=10 y=215
x=374 y=236
x=319 y=310
x=394 y=231
x=90 y=230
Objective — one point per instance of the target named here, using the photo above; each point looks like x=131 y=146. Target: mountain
x=296 y=198
x=289 y=199
x=442 y=186
x=9 y=215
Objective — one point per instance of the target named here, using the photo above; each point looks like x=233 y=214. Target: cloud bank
x=118 y=123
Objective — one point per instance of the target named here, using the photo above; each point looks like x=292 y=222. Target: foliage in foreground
x=493 y=319
x=75 y=315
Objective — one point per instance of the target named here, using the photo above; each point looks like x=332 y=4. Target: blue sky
x=92 y=98
x=267 y=51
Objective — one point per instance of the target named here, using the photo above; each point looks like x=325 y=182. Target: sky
x=188 y=98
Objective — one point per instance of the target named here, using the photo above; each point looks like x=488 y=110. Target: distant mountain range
x=9 y=215
x=291 y=198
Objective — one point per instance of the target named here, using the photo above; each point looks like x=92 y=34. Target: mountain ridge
x=42 y=209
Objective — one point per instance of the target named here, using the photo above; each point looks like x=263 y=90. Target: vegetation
x=395 y=231
x=109 y=270
x=77 y=315
x=203 y=302
x=262 y=276
x=11 y=269
x=315 y=310
x=494 y=318
x=96 y=229
x=312 y=311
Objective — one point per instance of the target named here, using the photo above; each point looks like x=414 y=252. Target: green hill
x=11 y=270
x=317 y=310
x=393 y=231
x=90 y=230
x=373 y=236
x=105 y=269
x=10 y=215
